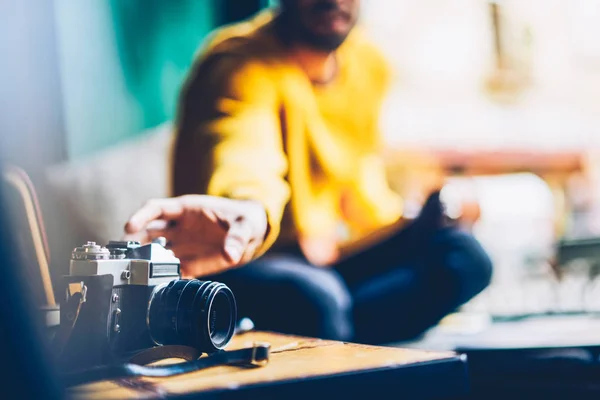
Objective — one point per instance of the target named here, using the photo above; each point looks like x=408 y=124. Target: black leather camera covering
x=111 y=324
x=128 y=311
x=88 y=342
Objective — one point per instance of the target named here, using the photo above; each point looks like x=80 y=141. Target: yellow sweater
x=252 y=126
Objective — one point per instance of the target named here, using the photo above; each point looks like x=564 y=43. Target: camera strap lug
x=77 y=288
x=76 y=296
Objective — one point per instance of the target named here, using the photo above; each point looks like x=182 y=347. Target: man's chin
x=326 y=43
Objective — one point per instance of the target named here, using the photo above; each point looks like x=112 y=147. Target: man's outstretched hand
x=208 y=234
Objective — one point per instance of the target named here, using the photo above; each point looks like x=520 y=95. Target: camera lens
x=201 y=314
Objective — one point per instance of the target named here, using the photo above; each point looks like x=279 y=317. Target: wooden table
x=301 y=367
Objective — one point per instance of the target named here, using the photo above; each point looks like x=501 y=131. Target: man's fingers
x=197 y=268
x=250 y=251
x=234 y=250
x=154 y=209
x=170 y=235
x=197 y=265
x=141 y=236
x=228 y=244
x=237 y=241
x=209 y=233
x=158 y=225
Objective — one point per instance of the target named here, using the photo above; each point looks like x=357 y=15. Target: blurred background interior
x=497 y=99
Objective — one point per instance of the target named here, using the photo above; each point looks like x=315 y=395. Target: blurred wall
x=122 y=63
x=31 y=112
x=457 y=91
x=80 y=76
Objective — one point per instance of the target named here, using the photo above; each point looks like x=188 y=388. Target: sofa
x=91 y=198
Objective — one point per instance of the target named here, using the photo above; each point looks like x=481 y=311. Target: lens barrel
x=200 y=314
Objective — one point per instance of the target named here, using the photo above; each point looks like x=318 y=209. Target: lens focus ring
x=201 y=314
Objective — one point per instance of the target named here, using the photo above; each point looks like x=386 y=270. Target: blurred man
x=277 y=148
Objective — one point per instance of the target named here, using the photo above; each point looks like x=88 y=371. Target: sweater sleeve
x=229 y=140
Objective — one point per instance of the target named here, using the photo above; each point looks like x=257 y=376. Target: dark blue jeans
x=393 y=291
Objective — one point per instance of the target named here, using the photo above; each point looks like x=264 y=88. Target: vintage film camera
x=124 y=298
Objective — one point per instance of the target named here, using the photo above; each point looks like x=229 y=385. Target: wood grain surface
x=291 y=358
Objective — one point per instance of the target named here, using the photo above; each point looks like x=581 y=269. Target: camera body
x=136 y=271
x=133 y=298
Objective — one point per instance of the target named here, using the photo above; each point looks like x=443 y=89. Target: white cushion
x=99 y=193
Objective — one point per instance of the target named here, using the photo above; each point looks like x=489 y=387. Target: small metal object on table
x=302 y=367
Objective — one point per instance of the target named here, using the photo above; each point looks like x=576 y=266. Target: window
x=456 y=88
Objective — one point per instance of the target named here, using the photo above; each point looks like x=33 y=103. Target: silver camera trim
x=92 y=259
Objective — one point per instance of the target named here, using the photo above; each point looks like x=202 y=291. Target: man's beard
x=294 y=30
x=325 y=43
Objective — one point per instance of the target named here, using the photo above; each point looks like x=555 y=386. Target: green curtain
x=123 y=62
x=156 y=42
